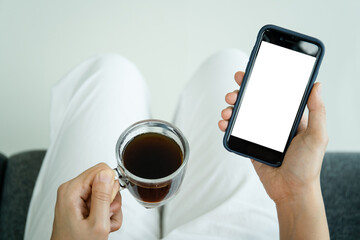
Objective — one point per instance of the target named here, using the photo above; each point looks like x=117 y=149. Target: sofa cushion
x=340 y=178
x=340 y=186
x=20 y=176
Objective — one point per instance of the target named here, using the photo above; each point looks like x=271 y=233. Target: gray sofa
x=340 y=178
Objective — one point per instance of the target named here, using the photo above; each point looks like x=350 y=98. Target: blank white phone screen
x=272 y=96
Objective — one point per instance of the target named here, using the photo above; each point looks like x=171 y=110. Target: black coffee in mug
x=152 y=156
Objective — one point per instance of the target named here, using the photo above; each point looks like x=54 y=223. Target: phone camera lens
x=281 y=39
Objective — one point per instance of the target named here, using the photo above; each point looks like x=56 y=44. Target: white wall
x=41 y=40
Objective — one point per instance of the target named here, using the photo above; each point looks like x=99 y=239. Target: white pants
x=221 y=196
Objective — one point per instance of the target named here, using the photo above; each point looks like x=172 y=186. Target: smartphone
x=278 y=79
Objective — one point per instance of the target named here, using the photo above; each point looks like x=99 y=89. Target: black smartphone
x=278 y=80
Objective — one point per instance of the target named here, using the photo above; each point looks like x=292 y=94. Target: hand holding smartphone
x=278 y=79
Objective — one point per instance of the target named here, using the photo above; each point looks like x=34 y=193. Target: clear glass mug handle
x=122 y=180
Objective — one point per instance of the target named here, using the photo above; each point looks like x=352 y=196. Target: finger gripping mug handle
x=119 y=177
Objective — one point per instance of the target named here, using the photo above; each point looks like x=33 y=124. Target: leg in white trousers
x=221 y=196
x=90 y=108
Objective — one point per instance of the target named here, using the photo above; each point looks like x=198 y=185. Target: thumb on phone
x=317 y=114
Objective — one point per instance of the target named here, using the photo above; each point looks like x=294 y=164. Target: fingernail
x=106 y=176
x=319 y=89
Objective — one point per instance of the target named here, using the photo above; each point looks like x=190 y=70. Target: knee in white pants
x=216 y=74
x=116 y=67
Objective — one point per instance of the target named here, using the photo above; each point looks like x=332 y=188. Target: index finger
x=89 y=174
x=239 y=77
x=85 y=179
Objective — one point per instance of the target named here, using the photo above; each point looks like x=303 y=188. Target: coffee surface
x=152 y=156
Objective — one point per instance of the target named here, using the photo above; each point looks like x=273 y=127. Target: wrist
x=303 y=202
x=302 y=213
x=301 y=194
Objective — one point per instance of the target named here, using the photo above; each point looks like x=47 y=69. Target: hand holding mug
x=152 y=157
x=88 y=206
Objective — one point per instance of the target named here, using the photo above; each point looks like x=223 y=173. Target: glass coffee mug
x=152 y=156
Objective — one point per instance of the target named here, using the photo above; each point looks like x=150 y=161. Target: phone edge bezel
x=303 y=101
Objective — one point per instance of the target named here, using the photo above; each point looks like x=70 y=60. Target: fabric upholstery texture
x=340 y=185
x=19 y=180
x=340 y=177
